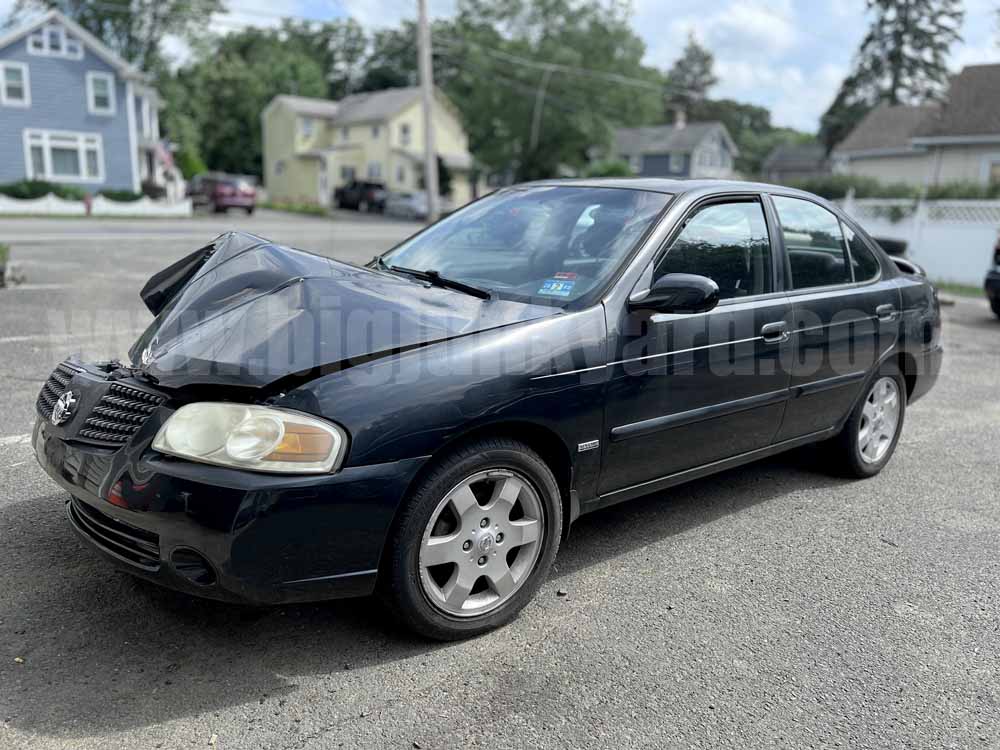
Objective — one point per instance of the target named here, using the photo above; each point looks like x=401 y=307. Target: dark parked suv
x=360 y=195
x=993 y=281
x=220 y=192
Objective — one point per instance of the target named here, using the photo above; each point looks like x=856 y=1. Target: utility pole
x=427 y=97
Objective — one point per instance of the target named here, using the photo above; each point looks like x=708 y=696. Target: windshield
x=535 y=243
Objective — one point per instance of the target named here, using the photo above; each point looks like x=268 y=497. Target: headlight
x=258 y=438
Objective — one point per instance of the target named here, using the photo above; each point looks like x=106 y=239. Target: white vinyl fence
x=51 y=205
x=952 y=240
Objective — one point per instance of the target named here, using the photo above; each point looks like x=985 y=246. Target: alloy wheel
x=481 y=543
x=879 y=420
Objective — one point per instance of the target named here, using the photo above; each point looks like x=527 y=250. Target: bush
x=31 y=189
x=122 y=196
x=608 y=168
x=963 y=191
x=4 y=254
x=836 y=186
x=154 y=191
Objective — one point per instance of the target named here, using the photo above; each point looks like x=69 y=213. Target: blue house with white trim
x=73 y=112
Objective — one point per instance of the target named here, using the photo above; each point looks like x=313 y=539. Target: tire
x=995 y=304
x=250 y=210
x=216 y=209
x=457 y=598
x=847 y=455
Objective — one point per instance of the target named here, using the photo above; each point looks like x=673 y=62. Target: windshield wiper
x=433 y=277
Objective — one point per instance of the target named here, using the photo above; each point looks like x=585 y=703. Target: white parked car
x=414 y=205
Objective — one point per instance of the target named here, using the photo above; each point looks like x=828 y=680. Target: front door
x=687 y=390
x=844 y=314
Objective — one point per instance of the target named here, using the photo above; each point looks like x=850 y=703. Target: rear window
x=814 y=243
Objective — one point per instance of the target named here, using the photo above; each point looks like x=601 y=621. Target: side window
x=863 y=260
x=814 y=243
x=728 y=243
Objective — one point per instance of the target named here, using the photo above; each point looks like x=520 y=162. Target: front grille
x=119 y=414
x=54 y=387
x=134 y=545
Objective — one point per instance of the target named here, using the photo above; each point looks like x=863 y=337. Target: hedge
x=836 y=187
x=122 y=196
x=32 y=189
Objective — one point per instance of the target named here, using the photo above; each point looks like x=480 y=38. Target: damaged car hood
x=245 y=312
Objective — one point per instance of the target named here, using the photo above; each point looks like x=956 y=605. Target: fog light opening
x=192 y=566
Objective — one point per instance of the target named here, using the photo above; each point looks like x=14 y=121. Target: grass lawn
x=962 y=290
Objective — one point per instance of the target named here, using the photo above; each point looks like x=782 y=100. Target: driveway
x=770 y=606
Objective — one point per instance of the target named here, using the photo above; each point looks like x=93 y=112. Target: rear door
x=845 y=314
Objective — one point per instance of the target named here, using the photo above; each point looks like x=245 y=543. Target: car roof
x=673 y=187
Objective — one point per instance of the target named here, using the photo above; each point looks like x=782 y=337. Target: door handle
x=775 y=333
x=885 y=313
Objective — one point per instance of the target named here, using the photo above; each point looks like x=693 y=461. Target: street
x=769 y=606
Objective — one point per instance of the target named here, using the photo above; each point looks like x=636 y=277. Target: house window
x=676 y=163
x=374 y=170
x=53 y=41
x=308 y=126
x=279 y=167
x=347 y=174
x=100 y=93
x=404 y=134
x=15 y=91
x=64 y=156
x=345 y=133
x=401 y=174
x=375 y=131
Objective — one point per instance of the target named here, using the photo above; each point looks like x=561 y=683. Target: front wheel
x=871 y=433
x=475 y=541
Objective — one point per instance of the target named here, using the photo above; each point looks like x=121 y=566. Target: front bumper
x=263 y=539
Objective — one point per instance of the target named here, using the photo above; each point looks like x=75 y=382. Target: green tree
x=225 y=91
x=535 y=82
x=134 y=29
x=901 y=60
x=690 y=77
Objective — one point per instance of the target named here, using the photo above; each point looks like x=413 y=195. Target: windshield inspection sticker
x=557 y=287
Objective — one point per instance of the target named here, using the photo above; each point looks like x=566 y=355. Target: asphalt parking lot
x=770 y=606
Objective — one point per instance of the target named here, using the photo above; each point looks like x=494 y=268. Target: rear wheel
x=475 y=541
x=871 y=433
x=995 y=304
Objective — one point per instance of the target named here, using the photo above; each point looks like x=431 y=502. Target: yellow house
x=313 y=146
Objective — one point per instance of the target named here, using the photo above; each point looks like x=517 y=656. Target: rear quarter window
x=863 y=261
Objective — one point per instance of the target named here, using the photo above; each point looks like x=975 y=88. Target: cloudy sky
x=787 y=55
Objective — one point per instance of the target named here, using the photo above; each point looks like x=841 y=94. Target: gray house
x=793 y=162
x=73 y=112
x=695 y=150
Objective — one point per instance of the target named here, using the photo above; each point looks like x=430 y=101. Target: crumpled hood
x=246 y=312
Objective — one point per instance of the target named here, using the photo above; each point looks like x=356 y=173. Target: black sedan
x=429 y=426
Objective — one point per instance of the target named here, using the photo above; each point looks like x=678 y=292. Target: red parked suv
x=220 y=192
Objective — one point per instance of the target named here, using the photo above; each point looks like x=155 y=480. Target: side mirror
x=677 y=293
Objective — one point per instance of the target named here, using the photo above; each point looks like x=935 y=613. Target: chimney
x=680 y=118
